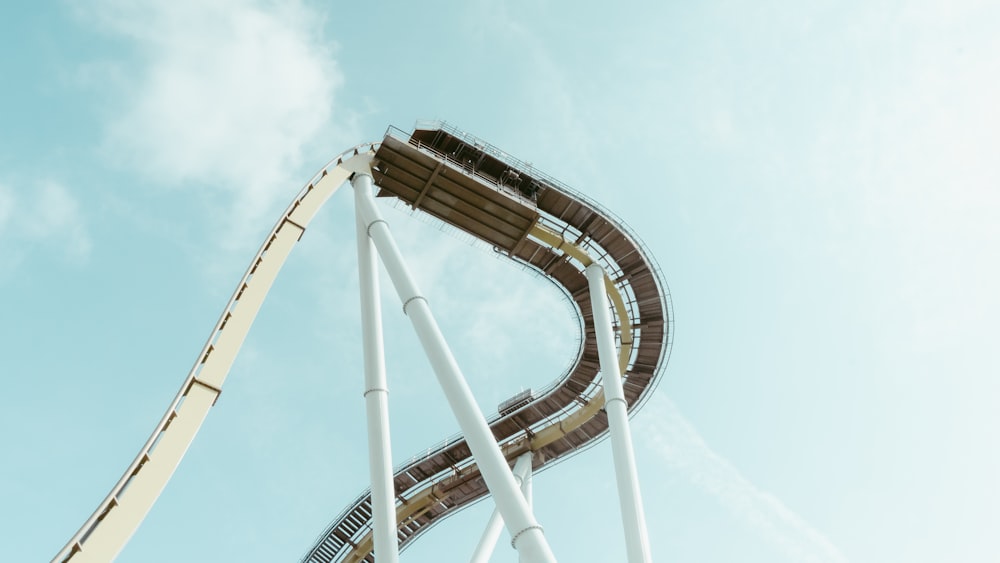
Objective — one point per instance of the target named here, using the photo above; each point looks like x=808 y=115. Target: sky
x=817 y=180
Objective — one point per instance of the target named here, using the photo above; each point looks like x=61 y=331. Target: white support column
x=376 y=395
x=487 y=544
x=522 y=472
x=527 y=535
x=633 y=518
x=522 y=469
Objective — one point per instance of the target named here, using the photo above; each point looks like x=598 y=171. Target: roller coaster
x=616 y=288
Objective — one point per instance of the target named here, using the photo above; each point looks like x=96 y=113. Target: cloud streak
x=676 y=442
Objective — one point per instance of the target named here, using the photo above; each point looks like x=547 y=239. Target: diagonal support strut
x=529 y=539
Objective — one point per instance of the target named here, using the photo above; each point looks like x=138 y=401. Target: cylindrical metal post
x=633 y=517
x=527 y=535
x=376 y=394
x=487 y=543
x=522 y=474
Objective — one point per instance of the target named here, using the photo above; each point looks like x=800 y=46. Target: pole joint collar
x=513 y=540
x=609 y=400
x=368 y=229
x=374 y=389
x=412 y=299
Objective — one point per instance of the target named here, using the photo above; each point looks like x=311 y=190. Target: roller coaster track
x=525 y=215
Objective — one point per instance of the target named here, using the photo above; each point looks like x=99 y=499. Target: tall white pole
x=633 y=517
x=522 y=469
x=527 y=535
x=487 y=543
x=376 y=395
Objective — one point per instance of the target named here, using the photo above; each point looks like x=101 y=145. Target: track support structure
x=487 y=544
x=527 y=534
x=627 y=477
x=376 y=396
x=526 y=215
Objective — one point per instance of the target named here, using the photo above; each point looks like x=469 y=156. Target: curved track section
x=542 y=224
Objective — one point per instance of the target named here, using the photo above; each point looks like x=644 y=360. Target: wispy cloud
x=228 y=98
x=46 y=215
x=679 y=445
x=6 y=207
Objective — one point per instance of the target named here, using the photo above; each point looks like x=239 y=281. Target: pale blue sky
x=818 y=181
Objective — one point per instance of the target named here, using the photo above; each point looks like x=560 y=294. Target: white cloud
x=225 y=97
x=673 y=438
x=57 y=216
x=48 y=215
